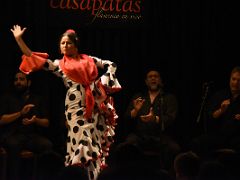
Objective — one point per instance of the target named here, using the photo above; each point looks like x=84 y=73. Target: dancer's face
x=67 y=47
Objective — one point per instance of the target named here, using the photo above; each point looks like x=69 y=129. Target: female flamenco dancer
x=89 y=108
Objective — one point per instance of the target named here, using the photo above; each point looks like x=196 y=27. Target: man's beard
x=20 y=90
x=155 y=87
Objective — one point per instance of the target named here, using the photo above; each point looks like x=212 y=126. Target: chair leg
x=3 y=161
x=27 y=165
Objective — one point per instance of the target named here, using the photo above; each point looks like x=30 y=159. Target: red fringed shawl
x=83 y=72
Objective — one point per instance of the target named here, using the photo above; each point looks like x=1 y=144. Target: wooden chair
x=27 y=166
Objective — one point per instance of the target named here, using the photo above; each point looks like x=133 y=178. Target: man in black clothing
x=222 y=119
x=150 y=114
x=23 y=122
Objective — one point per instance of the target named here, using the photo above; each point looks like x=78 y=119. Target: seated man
x=222 y=119
x=23 y=121
x=151 y=113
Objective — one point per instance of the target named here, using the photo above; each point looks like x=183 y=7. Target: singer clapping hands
x=222 y=118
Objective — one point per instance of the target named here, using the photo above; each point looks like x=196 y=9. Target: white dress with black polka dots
x=88 y=140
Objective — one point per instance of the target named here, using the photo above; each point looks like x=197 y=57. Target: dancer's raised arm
x=17 y=33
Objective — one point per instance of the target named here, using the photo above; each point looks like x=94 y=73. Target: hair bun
x=70 y=31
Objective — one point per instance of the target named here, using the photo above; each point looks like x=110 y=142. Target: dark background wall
x=191 y=42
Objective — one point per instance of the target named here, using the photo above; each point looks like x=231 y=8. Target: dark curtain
x=191 y=42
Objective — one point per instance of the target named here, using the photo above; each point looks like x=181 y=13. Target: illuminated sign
x=97 y=11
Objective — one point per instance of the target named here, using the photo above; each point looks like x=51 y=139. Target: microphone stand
x=204 y=98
